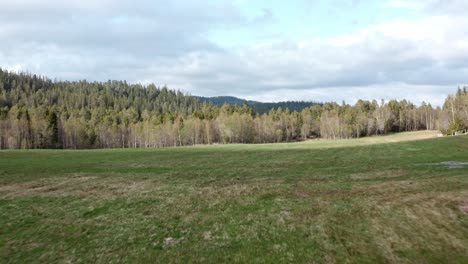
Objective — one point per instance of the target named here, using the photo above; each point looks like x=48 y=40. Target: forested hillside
x=36 y=112
x=258 y=107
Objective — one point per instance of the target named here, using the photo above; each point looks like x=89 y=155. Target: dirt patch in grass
x=378 y=174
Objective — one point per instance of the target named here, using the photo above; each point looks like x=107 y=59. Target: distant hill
x=259 y=107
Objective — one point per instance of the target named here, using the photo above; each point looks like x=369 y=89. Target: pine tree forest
x=36 y=113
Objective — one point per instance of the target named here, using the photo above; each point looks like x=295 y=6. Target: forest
x=38 y=113
x=258 y=107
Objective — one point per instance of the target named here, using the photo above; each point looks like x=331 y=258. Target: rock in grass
x=170 y=241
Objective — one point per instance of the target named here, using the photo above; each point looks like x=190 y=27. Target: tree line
x=36 y=112
x=258 y=107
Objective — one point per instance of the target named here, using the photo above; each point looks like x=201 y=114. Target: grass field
x=366 y=200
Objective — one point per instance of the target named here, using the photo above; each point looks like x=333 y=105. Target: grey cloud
x=156 y=27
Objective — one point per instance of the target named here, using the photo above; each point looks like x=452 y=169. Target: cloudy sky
x=267 y=50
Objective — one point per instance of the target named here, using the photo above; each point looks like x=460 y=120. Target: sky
x=261 y=50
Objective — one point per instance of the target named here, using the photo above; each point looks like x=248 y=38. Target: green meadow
x=382 y=199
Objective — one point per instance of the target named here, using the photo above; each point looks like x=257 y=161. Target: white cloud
x=393 y=91
x=415 y=5
x=430 y=6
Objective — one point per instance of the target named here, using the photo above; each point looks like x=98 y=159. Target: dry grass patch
x=379 y=174
x=464 y=207
x=421 y=222
x=79 y=186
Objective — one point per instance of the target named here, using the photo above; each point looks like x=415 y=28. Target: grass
x=367 y=200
